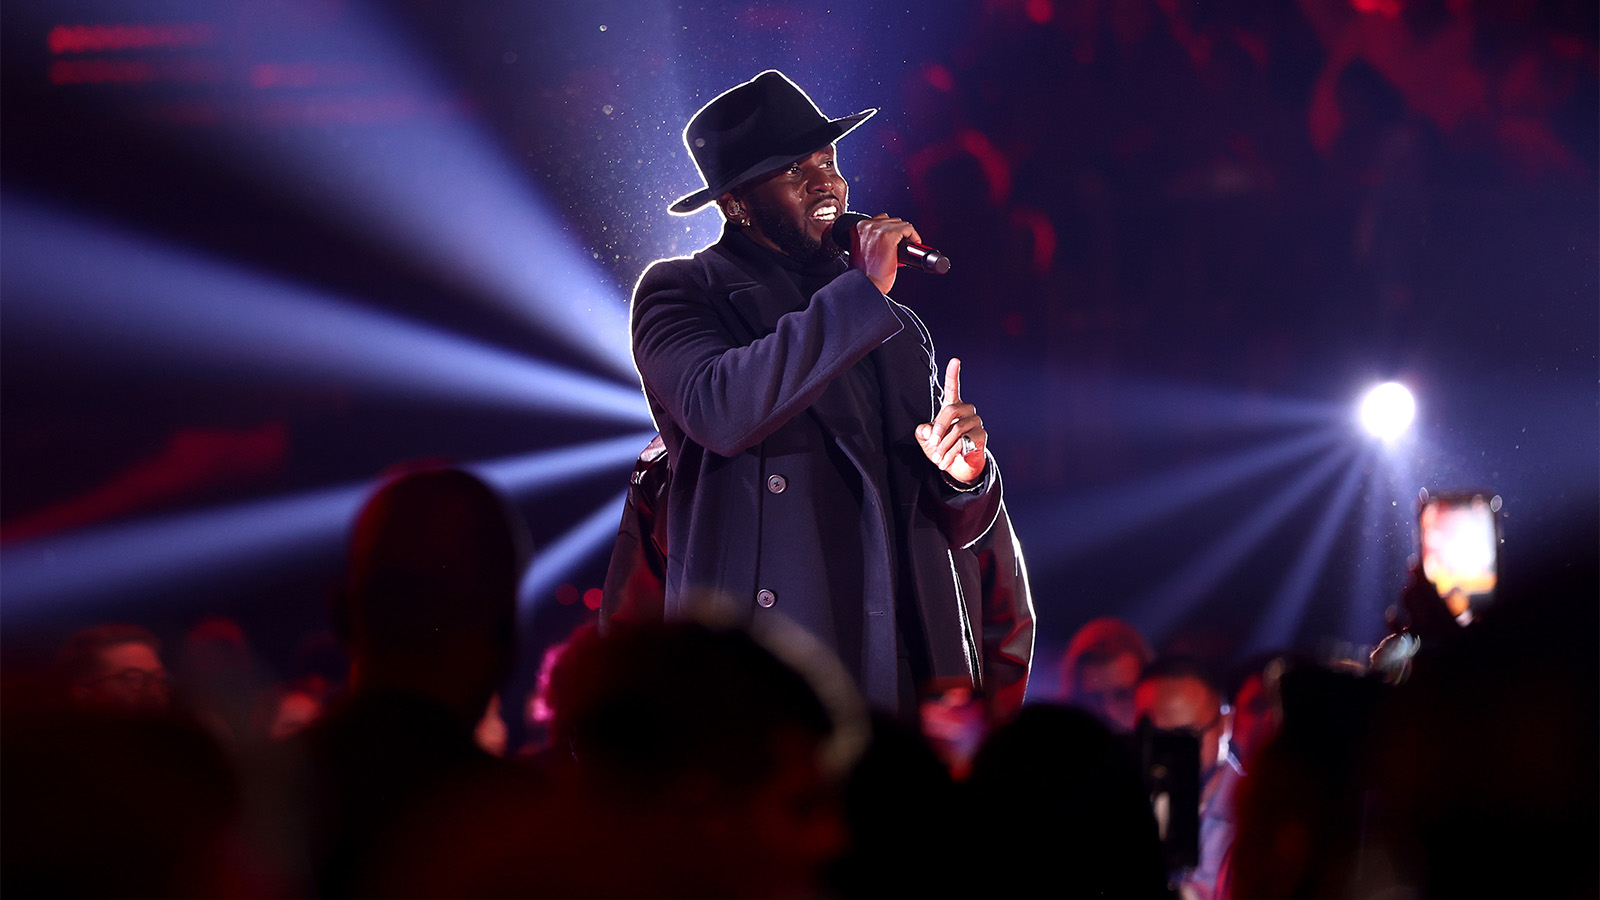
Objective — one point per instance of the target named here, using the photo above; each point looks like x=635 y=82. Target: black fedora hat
x=753 y=128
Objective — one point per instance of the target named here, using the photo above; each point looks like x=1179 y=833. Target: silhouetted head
x=652 y=703
x=431 y=589
x=707 y=740
x=1096 y=825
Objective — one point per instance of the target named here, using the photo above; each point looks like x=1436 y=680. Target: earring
x=737 y=213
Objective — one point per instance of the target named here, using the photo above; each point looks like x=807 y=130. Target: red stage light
x=1390 y=8
x=103 y=38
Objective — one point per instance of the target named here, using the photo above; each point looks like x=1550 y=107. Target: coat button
x=766 y=598
x=777 y=484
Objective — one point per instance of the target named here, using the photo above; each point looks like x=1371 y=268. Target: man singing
x=819 y=470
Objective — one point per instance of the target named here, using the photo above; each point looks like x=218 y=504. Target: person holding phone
x=1181 y=708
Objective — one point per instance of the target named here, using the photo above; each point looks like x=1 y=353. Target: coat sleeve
x=635 y=586
x=728 y=396
x=1008 y=621
x=964 y=514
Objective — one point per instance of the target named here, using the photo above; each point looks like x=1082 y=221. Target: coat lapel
x=909 y=376
x=754 y=299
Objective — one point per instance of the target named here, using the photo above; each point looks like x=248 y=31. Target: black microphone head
x=844 y=228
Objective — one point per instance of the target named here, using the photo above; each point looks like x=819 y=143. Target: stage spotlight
x=1387 y=411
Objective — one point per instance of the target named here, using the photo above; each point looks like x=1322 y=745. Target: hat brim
x=798 y=148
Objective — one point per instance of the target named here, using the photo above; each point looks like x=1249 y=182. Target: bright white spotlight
x=1387 y=411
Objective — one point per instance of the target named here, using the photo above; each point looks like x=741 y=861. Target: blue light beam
x=444 y=199
x=1388 y=538
x=1178 y=593
x=430 y=183
x=1097 y=518
x=112 y=299
x=1158 y=409
x=171 y=553
x=519 y=476
x=574 y=547
x=133 y=561
x=1275 y=628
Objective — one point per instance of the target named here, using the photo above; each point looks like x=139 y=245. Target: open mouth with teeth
x=825 y=213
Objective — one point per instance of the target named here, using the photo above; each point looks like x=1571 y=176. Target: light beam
x=430 y=183
x=1167 y=603
x=248 y=541
x=1096 y=518
x=579 y=542
x=1276 y=626
x=113 y=300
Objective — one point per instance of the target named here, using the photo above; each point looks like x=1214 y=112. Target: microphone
x=914 y=255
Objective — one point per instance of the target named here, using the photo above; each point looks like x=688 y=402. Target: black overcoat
x=728 y=353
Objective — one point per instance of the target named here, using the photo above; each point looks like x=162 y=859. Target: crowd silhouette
x=690 y=760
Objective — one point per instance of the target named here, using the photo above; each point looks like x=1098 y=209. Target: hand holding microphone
x=880 y=244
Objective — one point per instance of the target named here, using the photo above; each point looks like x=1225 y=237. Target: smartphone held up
x=1460 y=543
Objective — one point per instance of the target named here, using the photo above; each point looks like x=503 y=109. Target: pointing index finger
x=952 y=382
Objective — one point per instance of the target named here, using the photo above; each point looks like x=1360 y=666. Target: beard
x=792 y=237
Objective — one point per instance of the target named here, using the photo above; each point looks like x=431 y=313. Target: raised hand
x=955 y=439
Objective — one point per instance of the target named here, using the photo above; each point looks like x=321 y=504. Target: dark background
x=1186 y=238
